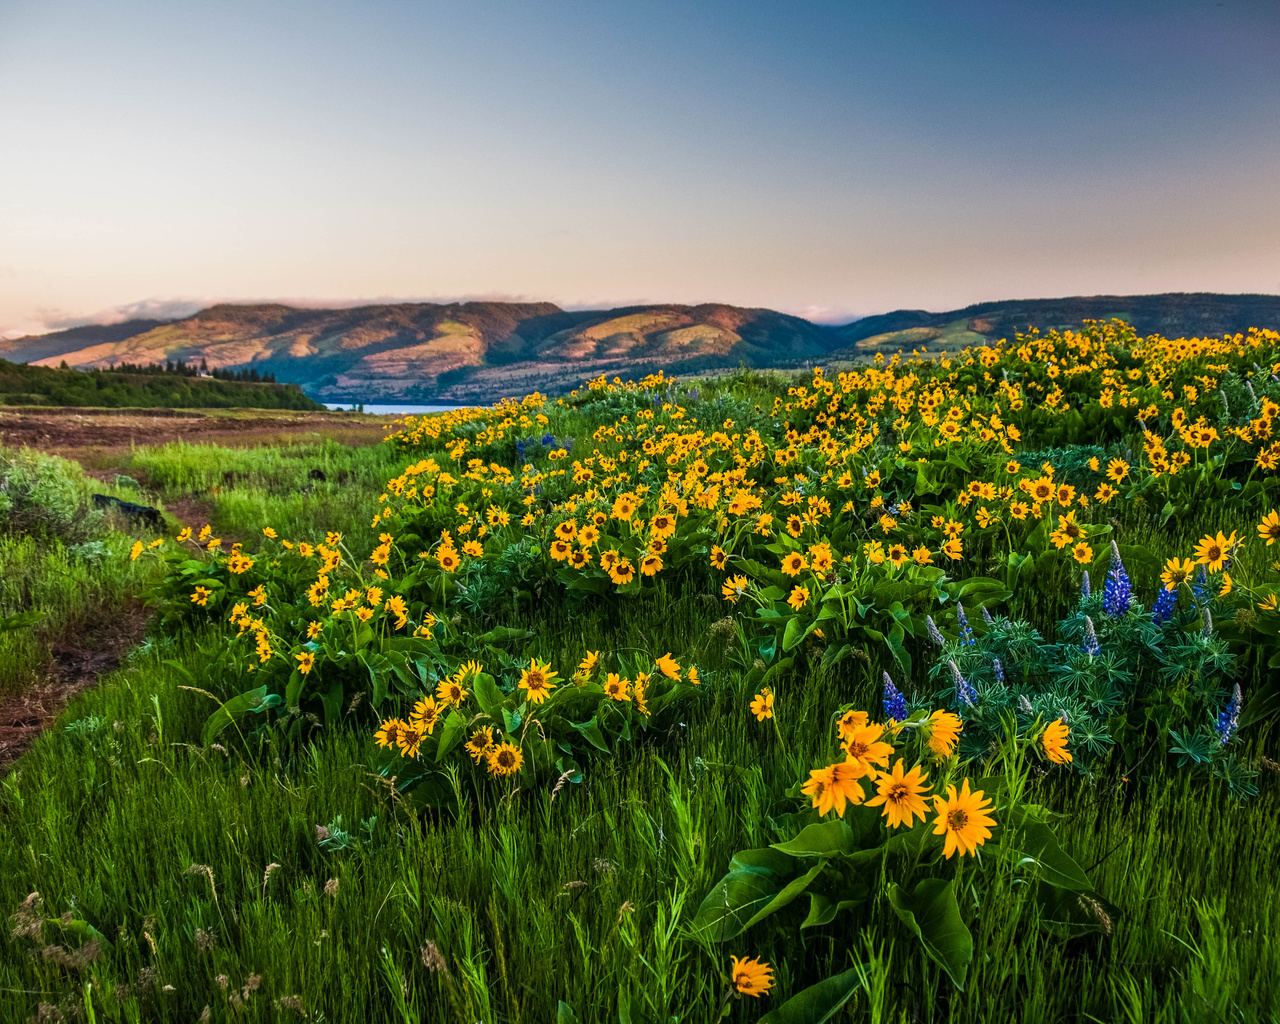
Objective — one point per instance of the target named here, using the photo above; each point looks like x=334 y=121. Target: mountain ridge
x=480 y=351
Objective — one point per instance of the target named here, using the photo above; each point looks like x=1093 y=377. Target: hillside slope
x=480 y=351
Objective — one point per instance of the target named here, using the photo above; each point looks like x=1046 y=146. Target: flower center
x=957 y=820
x=898 y=792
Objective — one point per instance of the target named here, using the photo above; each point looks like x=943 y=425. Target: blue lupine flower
x=520 y=450
x=934 y=633
x=966 y=633
x=998 y=669
x=965 y=693
x=1166 y=601
x=1091 y=644
x=1117 y=591
x=895 y=705
x=1228 y=719
x=693 y=395
x=1200 y=585
x=548 y=440
x=1085 y=588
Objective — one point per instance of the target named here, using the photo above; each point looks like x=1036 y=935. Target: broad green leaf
x=236 y=707
x=822 y=839
x=817 y=1003
x=933 y=914
x=823 y=909
x=451 y=733
x=331 y=701
x=1026 y=837
x=755 y=877
x=590 y=730
x=565 y=1014
x=293 y=689
x=487 y=693
x=20 y=621
x=789 y=892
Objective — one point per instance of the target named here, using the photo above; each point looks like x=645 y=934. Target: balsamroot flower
x=1054 y=741
x=751 y=976
x=901 y=794
x=963 y=819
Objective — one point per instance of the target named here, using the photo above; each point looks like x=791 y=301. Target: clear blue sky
x=826 y=158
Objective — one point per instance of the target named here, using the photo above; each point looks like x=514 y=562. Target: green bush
x=45 y=496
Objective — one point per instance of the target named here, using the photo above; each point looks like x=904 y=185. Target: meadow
x=939 y=689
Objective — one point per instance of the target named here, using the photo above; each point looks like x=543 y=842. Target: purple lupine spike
x=1117 y=591
x=1091 y=644
x=1024 y=705
x=895 y=705
x=965 y=692
x=998 y=669
x=1166 y=601
x=1208 y=621
x=1085 y=588
x=1228 y=719
x=934 y=633
x=986 y=616
x=966 y=631
x=1200 y=585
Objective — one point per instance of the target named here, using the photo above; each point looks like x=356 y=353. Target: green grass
x=582 y=896
x=245 y=489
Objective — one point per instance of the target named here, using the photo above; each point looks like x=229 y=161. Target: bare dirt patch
x=99 y=439
x=78 y=660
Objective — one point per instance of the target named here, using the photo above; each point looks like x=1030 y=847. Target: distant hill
x=174 y=389
x=480 y=351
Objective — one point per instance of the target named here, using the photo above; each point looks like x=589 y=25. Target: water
x=395 y=410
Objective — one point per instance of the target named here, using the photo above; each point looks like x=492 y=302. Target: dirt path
x=79 y=660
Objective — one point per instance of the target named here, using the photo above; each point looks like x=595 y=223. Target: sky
x=828 y=158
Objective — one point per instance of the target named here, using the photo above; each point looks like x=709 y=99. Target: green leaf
x=823 y=909
x=789 y=892
x=293 y=689
x=565 y=1014
x=451 y=733
x=1031 y=839
x=817 y=1003
x=236 y=707
x=331 y=701
x=822 y=839
x=755 y=877
x=590 y=730
x=934 y=915
x=502 y=635
x=379 y=677
x=20 y=621
x=795 y=632
x=487 y=693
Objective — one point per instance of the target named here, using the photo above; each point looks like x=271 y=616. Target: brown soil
x=79 y=659
x=100 y=438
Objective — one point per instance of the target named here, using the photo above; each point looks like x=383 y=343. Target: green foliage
x=25 y=385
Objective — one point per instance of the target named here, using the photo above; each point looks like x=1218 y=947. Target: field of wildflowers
x=938 y=689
